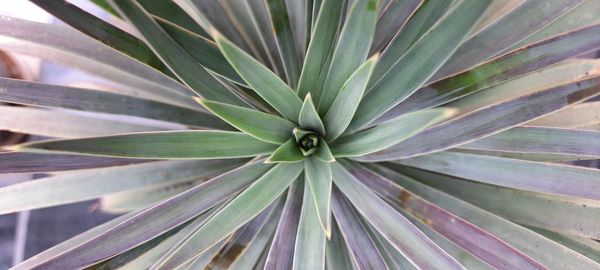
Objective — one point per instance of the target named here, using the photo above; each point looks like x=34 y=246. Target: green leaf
x=263 y=126
x=175 y=57
x=585 y=246
x=289 y=152
x=102 y=31
x=351 y=50
x=342 y=109
x=420 y=62
x=337 y=256
x=159 y=145
x=500 y=70
x=286 y=45
x=167 y=10
x=318 y=54
x=244 y=207
x=503 y=107
x=324 y=153
x=388 y=134
x=309 y=117
x=261 y=79
x=578 y=116
x=317 y=175
x=203 y=50
x=55 y=96
x=540 y=248
x=399 y=231
x=15 y=162
x=311 y=238
x=428 y=13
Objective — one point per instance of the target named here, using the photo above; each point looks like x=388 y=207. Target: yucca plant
x=363 y=134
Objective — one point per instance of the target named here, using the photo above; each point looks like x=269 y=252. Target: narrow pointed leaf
x=70 y=187
x=576 y=117
x=289 y=152
x=174 y=56
x=584 y=246
x=581 y=16
x=160 y=145
x=244 y=207
x=266 y=84
x=342 y=109
x=337 y=256
x=501 y=69
x=102 y=31
x=318 y=54
x=365 y=253
x=285 y=40
x=480 y=121
x=351 y=49
x=14 y=162
x=396 y=229
x=281 y=252
x=540 y=248
x=60 y=124
x=309 y=117
x=473 y=239
x=66 y=46
x=391 y=21
x=311 y=238
x=557 y=213
x=424 y=17
x=541 y=177
x=171 y=11
x=542 y=140
x=142 y=226
x=263 y=126
x=260 y=243
x=317 y=175
x=203 y=50
x=324 y=153
x=523 y=21
x=38 y=94
x=420 y=62
x=388 y=134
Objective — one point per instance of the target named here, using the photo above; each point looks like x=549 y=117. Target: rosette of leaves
x=362 y=134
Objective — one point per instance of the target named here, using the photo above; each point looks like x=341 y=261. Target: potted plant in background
x=317 y=134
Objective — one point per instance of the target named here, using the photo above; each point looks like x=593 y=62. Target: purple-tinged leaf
x=473 y=239
x=488 y=120
x=515 y=26
x=498 y=70
x=542 y=140
x=363 y=250
x=13 y=162
x=534 y=245
x=252 y=201
x=561 y=214
x=391 y=21
x=558 y=179
x=55 y=96
x=396 y=229
x=281 y=253
x=151 y=222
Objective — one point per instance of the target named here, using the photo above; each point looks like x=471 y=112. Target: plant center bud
x=309 y=141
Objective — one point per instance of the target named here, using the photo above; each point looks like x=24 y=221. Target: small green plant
x=364 y=134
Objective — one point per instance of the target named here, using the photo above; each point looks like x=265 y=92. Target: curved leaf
x=309 y=252
x=317 y=175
